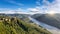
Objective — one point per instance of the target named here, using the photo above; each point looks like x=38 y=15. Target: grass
x=17 y=26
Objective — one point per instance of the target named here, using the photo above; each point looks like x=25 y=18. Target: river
x=52 y=29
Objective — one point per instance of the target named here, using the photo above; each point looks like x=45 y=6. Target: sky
x=29 y=6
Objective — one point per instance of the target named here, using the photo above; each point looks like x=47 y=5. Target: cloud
x=55 y=7
x=49 y=6
x=6 y=10
x=18 y=10
x=33 y=9
x=14 y=2
x=46 y=7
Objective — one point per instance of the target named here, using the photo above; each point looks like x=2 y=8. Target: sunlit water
x=52 y=29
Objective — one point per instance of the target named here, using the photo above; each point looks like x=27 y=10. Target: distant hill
x=14 y=25
x=15 y=15
x=21 y=16
x=53 y=20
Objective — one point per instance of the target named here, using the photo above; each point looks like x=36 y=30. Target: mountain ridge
x=52 y=20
